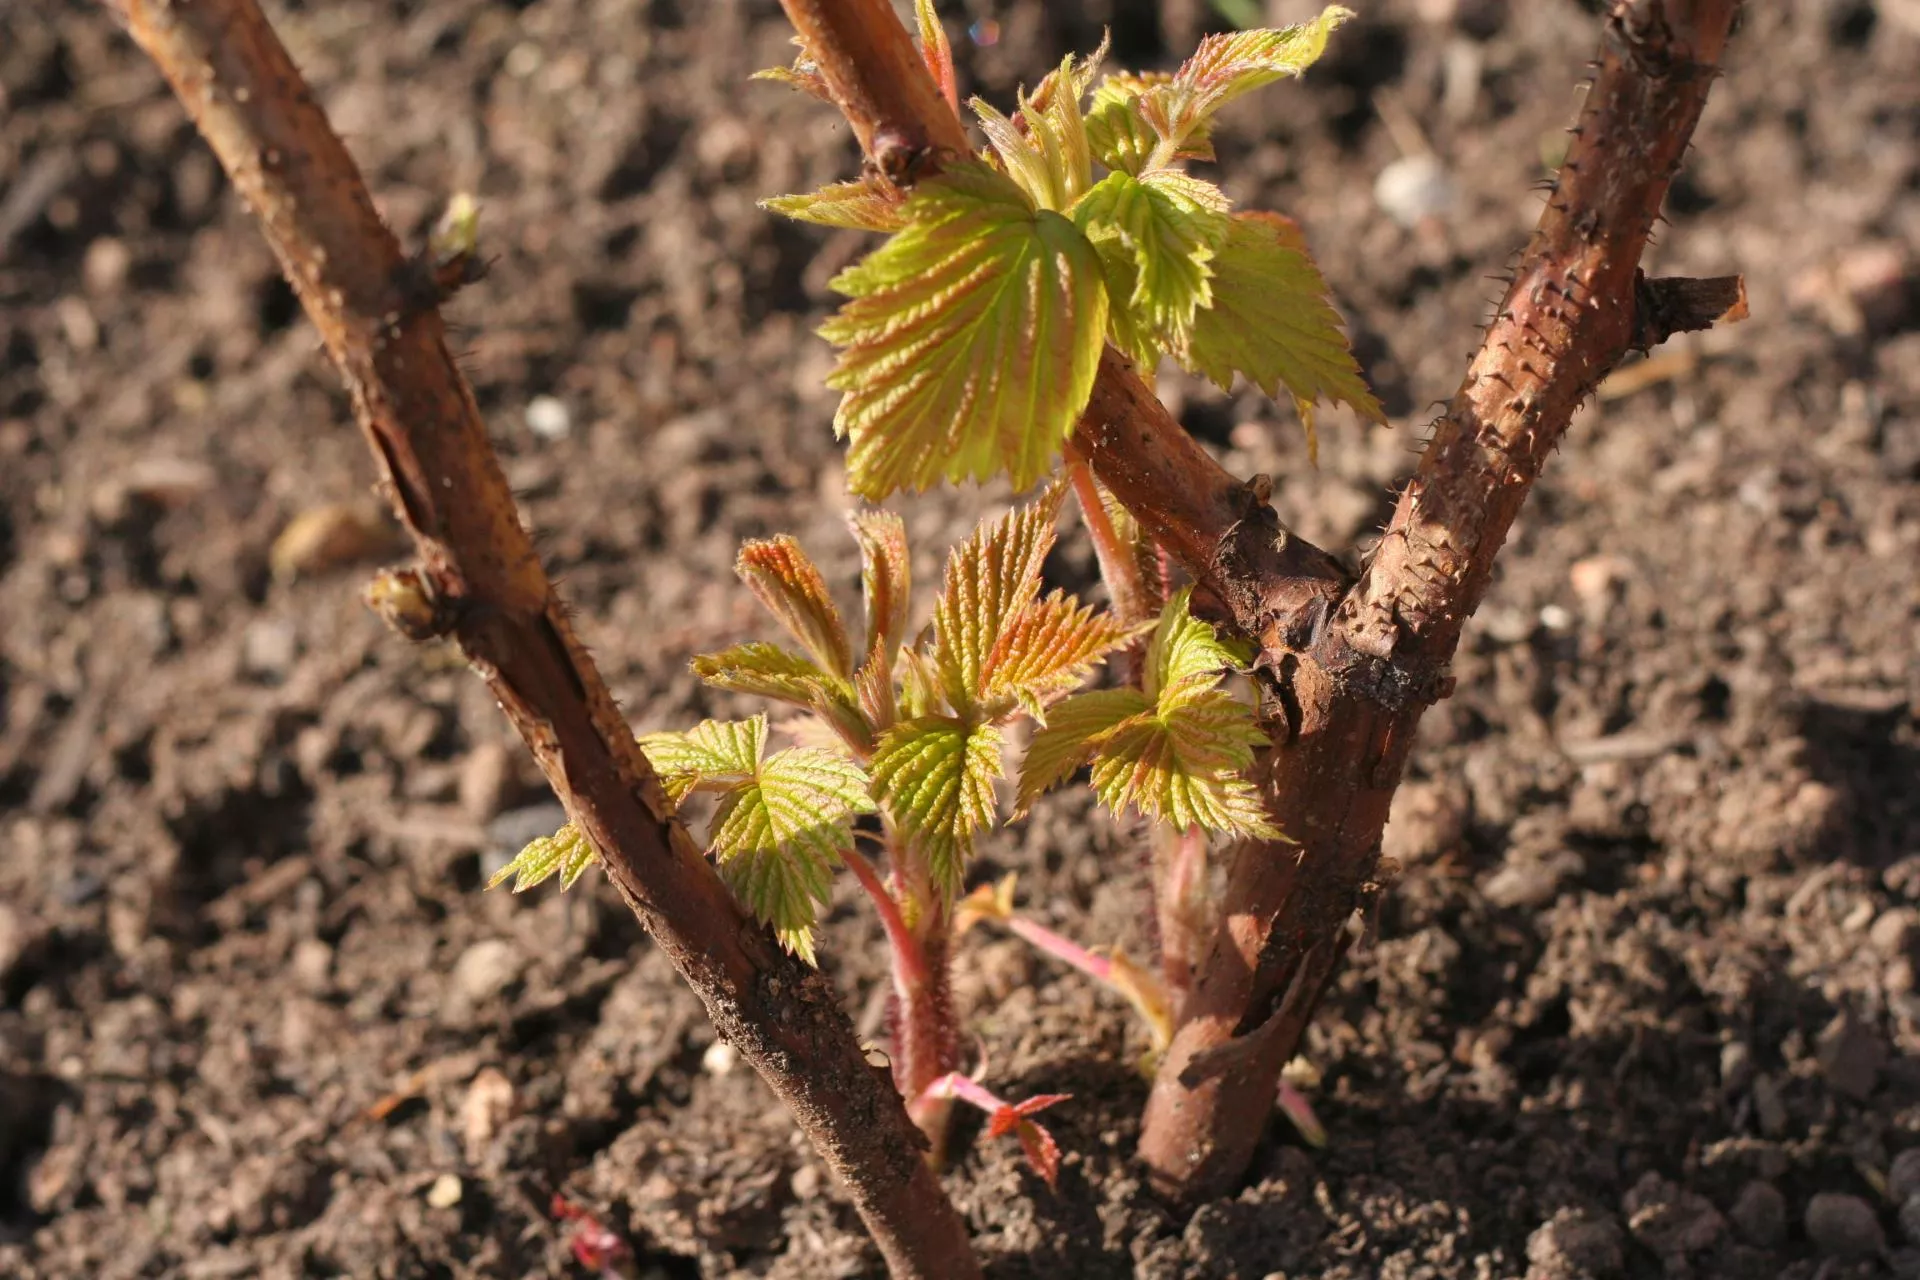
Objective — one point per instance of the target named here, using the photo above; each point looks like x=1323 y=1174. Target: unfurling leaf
x=1043 y=1153
x=868 y=204
x=936 y=52
x=1044 y=147
x=971 y=339
x=935 y=776
x=565 y=853
x=787 y=583
x=886 y=581
x=1229 y=64
x=803 y=75
x=1157 y=236
x=778 y=835
x=1271 y=321
x=714 y=755
x=991 y=578
x=1117 y=133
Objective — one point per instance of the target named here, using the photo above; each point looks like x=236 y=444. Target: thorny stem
x=1351 y=668
x=1575 y=308
x=480 y=581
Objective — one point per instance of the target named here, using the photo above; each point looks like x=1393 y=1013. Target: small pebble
x=1761 y=1214
x=106 y=264
x=719 y=1059
x=445 y=1191
x=806 y=1182
x=1413 y=189
x=268 y=648
x=1903 y=1176
x=489 y=1103
x=1844 y=1226
x=485 y=969
x=1736 y=1067
x=1851 y=1056
x=549 y=418
x=1910 y=1219
x=1769 y=1106
x=1575 y=1243
x=1895 y=932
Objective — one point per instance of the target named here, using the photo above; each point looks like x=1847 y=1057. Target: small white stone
x=719 y=1059
x=548 y=418
x=445 y=1191
x=1413 y=189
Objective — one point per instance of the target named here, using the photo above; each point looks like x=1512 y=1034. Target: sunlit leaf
x=1048 y=649
x=971 y=339
x=1271 y=321
x=778 y=835
x=1073 y=730
x=566 y=853
x=936 y=52
x=867 y=204
x=935 y=775
x=768 y=671
x=787 y=583
x=1044 y=147
x=991 y=578
x=886 y=582
x=1157 y=236
x=713 y=755
x=1231 y=63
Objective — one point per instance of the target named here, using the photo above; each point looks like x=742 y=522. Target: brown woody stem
x=1353 y=666
x=1356 y=697
x=481 y=581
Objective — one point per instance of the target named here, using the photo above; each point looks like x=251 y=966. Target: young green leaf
x=1073 y=732
x=1157 y=236
x=1046 y=651
x=935 y=775
x=787 y=583
x=565 y=853
x=1175 y=752
x=971 y=339
x=803 y=75
x=768 y=671
x=1117 y=133
x=867 y=204
x=778 y=834
x=714 y=755
x=1271 y=321
x=1229 y=64
x=1044 y=147
x=991 y=578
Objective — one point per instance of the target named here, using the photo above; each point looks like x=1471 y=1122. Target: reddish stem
x=1119 y=565
x=907 y=956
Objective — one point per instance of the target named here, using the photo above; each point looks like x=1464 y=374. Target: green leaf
x=1048 y=650
x=787 y=583
x=768 y=671
x=1271 y=321
x=1119 y=136
x=971 y=341
x=565 y=853
x=1229 y=64
x=935 y=775
x=1071 y=735
x=1183 y=767
x=991 y=578
x=1186 y=655
x=1044 y=148
x=715 y=755
x=1165 y=228
x=778 y=834
x=864 y=205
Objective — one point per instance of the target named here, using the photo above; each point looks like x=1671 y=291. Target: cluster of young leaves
x=916 y=728
x=1175 y=750
x=972 y=337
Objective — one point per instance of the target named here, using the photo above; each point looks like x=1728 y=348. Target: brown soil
x=1646 y=985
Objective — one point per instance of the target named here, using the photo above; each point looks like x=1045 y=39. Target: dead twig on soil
x=480 y=581
x=1351 y=667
